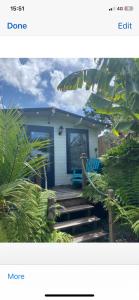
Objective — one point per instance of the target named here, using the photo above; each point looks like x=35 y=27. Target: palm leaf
x=16 y=160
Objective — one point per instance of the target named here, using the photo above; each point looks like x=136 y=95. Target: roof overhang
x=52 y=112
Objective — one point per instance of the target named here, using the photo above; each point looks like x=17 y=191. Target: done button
x=16 y=26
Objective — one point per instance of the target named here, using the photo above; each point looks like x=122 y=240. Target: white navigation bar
x=69 y=282
x=70 y=18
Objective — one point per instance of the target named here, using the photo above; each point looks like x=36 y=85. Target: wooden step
x=76 y=222
x=89 y=236
x=75 y=208
x=68 y=202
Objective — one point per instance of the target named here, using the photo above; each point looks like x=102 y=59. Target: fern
x=121 y=166
x=60 y=237
x=23 y=205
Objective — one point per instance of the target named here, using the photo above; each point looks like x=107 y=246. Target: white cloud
x=76 y=63
x=73 y=101
x=56 y=78
x=25 y=77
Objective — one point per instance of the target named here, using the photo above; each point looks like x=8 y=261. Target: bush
x=24 y=217
x=60 y=237
x=100 y=183
x=121 y=169
x=120 y=173
x=23 y=205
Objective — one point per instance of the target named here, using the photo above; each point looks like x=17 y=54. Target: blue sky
x=33 y=83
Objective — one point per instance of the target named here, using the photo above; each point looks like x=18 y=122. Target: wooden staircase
x=78 y=219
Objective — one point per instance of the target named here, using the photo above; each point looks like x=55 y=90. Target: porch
x=67 y=192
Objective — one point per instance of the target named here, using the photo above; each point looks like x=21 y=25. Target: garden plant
x=23 y=204
x=114 y=98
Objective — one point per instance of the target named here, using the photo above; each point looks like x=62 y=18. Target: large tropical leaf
x=115 y=86
x=135 y=102
x=87 y=78
x=124 y=126
x=104 y=106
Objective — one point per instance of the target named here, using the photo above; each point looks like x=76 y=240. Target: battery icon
x=129 y=8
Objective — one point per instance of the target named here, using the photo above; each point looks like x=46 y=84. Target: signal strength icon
x=121 y=8
x=112 y=8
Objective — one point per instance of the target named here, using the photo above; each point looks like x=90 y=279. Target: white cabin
x=70 y=135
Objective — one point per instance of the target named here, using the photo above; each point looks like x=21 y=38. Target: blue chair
x=92 y=165
x=77 y=177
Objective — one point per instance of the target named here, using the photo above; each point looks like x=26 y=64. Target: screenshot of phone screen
x=69 y=150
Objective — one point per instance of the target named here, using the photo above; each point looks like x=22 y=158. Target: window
x=77 y=143
x=39 y=135
x=44 y=133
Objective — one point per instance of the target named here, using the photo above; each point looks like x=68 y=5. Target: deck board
x=67 y=192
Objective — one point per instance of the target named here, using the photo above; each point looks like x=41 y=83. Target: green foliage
x=115 y=91
x=60 y=237
x=24 y=217
x=121 y=168
x=16 y=161
x=100 y=183
x=121 y=173
x=23 y=205
x=76 y=80
x=128 y=217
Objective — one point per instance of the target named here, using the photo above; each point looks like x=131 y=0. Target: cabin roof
x=42 y=111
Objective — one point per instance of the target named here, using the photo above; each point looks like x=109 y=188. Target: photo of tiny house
x=70 y=135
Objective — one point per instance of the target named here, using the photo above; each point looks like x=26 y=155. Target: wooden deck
x=67 y=192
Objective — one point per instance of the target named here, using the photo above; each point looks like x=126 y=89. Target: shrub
x=23 y=219
x=60 y=237
x=121 y=169
x=100 y=183
x=23 y=205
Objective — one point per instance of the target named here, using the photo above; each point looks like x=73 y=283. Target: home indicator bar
x=69 y=295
